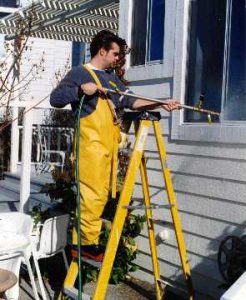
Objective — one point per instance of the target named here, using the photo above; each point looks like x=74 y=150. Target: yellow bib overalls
x=99 y=138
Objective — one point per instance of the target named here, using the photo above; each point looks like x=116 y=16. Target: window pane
x=235 y=104
x=156 y=38
x=9 y=3
x=2 y=50
x=139 y=26
x=206 y=56
x=78 y=53
x=2 y=15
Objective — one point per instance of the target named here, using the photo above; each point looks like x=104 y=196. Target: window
x=217 y=60
x=9 y=3
x=7 y=6
x=2 y=50
x=78 y=53
x=147 y=31
x=235 y=85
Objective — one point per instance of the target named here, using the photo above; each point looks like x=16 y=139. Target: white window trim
x=9 y=10
x=226 y=132
x=155 y=69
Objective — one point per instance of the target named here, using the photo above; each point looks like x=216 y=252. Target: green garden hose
x=80 y=289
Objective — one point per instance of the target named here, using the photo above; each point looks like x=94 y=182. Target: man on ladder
x=99 y=131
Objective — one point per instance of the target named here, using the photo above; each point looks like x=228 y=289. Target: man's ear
x=102 y=51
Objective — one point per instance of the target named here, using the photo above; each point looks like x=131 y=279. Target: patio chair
x=44 y=163
x=51 y=239
x=15 y=246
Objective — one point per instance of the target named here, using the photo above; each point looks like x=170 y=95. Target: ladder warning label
x=142 y=138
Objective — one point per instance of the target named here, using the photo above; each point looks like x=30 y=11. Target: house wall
x=36 y=87
x=209 y=181
x=57 y=56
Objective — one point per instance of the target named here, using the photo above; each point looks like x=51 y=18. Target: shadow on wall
x=210 y=211
x=207 y=279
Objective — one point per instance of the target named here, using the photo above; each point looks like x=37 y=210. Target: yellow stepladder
x=143 y=121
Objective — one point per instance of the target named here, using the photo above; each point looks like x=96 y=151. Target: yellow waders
x=99 y=138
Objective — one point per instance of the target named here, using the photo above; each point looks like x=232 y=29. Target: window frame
x=153 y=69
x=223 y=132
x=148 y=37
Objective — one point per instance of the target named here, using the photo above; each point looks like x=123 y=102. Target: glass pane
x=139 y=29
x=2 y=50
x=2 y=15
x=235 y=104
x=9 y=3
x=78 y=53
x=206 y=56
x=156 y=38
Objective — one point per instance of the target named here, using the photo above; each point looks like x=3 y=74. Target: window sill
x=216 y=133
x=149 y=71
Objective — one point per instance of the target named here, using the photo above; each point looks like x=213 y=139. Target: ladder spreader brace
x=142 y=121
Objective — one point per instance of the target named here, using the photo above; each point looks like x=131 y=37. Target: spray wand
x=194 y=108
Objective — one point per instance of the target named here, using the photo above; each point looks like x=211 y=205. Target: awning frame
x=71 y=20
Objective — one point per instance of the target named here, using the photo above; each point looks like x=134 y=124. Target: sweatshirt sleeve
x=67 y=91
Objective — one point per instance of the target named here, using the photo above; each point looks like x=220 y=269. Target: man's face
x=111 y=57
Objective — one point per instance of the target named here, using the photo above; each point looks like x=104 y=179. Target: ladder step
x=162 y=281
x=91 y=262
x=161 y=222
x=105 y=221
x=87 y=260
x=72 y=292
x=152 y=206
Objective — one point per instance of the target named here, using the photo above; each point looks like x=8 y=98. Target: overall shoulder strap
x=93 y=75
x=98 y=83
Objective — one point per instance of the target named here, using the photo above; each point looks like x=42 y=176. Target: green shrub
x=127 y=250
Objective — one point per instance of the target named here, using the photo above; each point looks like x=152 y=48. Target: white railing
x=27 y=141
x=49 y=139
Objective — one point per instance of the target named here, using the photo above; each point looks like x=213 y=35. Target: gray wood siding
x=209 y=181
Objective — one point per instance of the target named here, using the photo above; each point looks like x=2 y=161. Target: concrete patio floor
x=125 y=290
x=131 y=289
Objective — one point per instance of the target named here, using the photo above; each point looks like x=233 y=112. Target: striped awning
x=71 y=20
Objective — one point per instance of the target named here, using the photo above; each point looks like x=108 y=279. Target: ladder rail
x=174 y=209
x=151 y=232
x=70 y=278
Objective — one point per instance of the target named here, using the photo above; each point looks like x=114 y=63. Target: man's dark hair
x=104 y=39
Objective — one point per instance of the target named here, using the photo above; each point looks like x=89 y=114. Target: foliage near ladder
x=127 y=250
x=63 y=194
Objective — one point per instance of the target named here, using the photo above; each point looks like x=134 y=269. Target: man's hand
x=91 y=88
x=171 y=105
